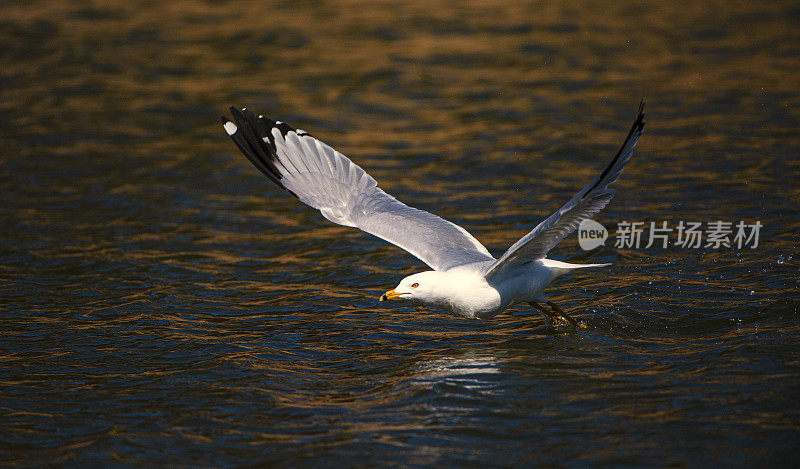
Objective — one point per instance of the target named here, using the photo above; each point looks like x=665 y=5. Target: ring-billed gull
x=466 y=279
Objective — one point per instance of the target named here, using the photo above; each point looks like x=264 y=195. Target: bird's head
x=421 y=287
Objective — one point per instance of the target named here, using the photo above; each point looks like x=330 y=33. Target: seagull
x=465 y=280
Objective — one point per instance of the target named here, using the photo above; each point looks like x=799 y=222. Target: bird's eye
x=414 y=285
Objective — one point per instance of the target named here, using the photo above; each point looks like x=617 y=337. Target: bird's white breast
x=466 y=293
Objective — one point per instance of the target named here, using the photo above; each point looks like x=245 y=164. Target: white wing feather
x=585 y=204
x=345 y=194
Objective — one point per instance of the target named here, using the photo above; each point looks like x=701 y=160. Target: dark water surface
x=163 y=305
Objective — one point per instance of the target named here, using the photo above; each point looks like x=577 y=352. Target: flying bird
x=465 y=279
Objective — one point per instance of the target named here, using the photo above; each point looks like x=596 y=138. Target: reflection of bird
x=466 y=280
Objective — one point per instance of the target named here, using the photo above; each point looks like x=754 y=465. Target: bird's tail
x=561 y=268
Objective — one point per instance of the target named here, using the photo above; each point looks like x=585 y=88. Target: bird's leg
x=557 y=318
x=562 y=317
x=546 y=315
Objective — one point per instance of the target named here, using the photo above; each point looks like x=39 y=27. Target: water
x=163 y=305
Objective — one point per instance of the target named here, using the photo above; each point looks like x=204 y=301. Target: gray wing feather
x=585 y=204
x=345 y=194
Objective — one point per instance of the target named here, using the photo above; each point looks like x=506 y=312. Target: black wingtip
x=639 y=124
x=637 y=129
x=238 y=114
x=249 y=139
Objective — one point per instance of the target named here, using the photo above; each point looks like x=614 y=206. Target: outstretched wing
x=325 y=179
x=586 y=203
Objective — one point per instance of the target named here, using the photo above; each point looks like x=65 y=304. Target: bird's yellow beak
x=389 y=295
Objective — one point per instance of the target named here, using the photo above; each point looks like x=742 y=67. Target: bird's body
x=466 y=279
x=465 y=291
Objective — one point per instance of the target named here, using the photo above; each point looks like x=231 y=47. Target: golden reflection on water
x=156 y=293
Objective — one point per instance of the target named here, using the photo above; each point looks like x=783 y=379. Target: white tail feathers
x=560 y=268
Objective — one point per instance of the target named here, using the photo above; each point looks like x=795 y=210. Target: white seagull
x=466 y=279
